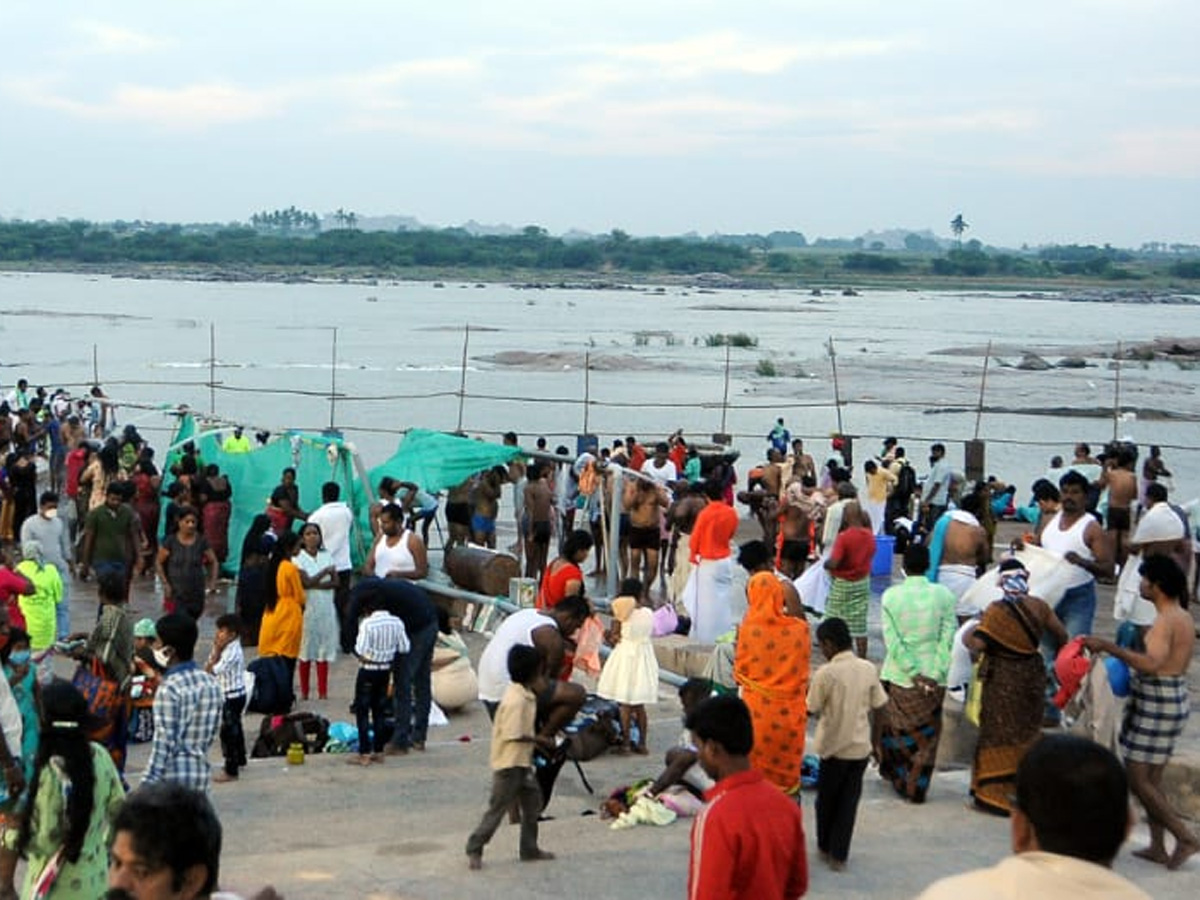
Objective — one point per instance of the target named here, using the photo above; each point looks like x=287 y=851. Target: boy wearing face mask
x=187 y=709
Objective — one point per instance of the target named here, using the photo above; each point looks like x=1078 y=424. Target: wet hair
x=574 y=606
x=1164 y=573
x=576 y=541
x=694 y=690
x=172 y=826
x=1075 y=795
x=725 y=720
x=178 y=632
x=393 y=511
x=1074 y=479
x=1044 y=489
x=1156 y=492
x=631 y=587
x=64 y=714
x=230 y=622
x=916 y=559
x=754 y=555
x=836 y=632
x=524 y=663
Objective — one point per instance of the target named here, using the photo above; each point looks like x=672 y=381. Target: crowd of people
x=300 y=602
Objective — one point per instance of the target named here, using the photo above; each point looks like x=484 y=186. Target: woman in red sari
x=563 y=576
x=146 y=482
x=771 y=665
x=216 y=507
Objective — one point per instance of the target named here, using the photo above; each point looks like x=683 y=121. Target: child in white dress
x=630 y=674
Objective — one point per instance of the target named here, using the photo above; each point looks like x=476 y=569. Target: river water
x=650 y=369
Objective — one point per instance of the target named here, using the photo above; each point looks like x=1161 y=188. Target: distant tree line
x=293 y=237
x=450 y=248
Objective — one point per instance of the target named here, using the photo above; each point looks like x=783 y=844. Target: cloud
x=189 y=108
x=728 y=51
x=101 y=38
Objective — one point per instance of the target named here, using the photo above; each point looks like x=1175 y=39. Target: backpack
x=273 y=692
x=906 y=481
x=277 y=733
x=594 y=729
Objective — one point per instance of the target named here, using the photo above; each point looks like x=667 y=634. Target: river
x=650 y=367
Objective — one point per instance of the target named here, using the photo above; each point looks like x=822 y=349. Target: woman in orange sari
x=771 y=666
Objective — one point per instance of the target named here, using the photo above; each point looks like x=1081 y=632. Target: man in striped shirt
x=187 y=708
x=381 y=637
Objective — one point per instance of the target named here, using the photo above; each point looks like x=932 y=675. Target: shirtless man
x=802 y=463
x=1122 y=486
x=809 y=502
x=487 y=506
x=765 y=503
x=1158 y=705
x=539 y=508
x=965 y=555
x=644 y=501
x=458 y=513
x=796 y=527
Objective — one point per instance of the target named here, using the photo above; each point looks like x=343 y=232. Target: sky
x=1040 y=121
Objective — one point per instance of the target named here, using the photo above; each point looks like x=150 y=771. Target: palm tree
x=958 y=225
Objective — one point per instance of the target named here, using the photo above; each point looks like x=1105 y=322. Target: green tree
x=958 y=225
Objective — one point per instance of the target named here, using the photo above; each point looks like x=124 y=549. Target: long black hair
x=285 y=548
x=253 y=542
x=64 y=712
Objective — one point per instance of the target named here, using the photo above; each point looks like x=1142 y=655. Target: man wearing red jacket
x=748 y=841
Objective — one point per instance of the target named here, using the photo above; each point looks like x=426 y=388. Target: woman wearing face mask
x=1013 y=679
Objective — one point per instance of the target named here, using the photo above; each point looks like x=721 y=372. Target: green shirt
x=41 y=607
x=114 y=534
x=918 y=631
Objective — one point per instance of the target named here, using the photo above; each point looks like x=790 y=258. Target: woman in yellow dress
x=283 y=619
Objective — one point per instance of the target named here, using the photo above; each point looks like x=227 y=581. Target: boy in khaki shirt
x=513 y=738
x=844 y=694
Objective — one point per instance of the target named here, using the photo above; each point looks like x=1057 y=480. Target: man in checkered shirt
x=187 y=709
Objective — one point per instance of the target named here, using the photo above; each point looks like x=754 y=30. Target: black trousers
x=839 y=787
x=233 y=739
x=370 y=700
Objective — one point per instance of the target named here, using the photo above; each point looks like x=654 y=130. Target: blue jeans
x=1077 y=611
x=414 y=680
x=62 y=612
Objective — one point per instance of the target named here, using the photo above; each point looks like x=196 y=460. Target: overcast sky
x=1038 y=120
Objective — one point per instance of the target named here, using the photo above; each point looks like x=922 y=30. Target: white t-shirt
x=336 y=522
x=665 y=474
x=493 y=664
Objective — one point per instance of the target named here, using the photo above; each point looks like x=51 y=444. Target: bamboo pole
x=462 y=380
x=212 y=369
x=725 y=397
x=587 y=376
x=333 y=381
x=837 y=394
x=982 y=388
x=1117 y=395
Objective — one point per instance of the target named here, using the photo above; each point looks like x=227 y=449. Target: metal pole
x=95 y=366
x=614 y=531
x=725 y=397
x=587 y=368
x=982 y=387
x=333 y=381
x=1117 y=395
x=462 y=380
x=212 y=367
x=837 y=394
